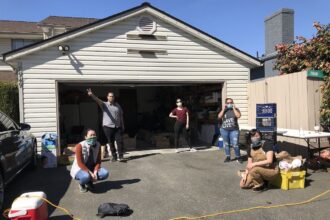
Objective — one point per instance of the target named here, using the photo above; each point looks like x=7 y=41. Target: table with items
x=307 y=136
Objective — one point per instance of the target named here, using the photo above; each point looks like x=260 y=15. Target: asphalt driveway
x=164 y=186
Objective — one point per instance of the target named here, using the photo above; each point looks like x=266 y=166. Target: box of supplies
x=291 y=179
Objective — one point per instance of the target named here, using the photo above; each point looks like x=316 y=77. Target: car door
x=9 y=142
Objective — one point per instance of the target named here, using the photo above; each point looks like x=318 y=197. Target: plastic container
x=29 y=206
x=49 y=150
x=291 y=179
x=220 y=142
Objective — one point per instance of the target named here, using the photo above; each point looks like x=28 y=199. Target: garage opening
x=146 y=112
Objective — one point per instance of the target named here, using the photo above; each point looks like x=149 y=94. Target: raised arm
x=96 y=99
x=222 y=112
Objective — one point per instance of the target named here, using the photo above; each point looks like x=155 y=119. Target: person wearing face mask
x=229 y=130
x=181 y=114
x=86 y=167
x=113 y=124
x=261 y=166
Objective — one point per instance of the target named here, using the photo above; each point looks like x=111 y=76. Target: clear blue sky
x=237 y=22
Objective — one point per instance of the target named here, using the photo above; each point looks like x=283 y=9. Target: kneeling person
x=86 y=167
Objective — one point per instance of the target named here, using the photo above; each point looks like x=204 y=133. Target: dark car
x=18 y=149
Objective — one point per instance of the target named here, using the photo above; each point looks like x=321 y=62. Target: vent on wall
x=146 y=25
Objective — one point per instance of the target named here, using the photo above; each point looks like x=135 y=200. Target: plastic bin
x=291 y=179
x=49 y=150
x=29 y=206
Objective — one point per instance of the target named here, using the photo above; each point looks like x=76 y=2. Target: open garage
x=146 y=108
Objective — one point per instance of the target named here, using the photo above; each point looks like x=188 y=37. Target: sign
x=315 y=74
x=266 y=110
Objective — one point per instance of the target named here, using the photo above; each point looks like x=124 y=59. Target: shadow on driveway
x=105 y=186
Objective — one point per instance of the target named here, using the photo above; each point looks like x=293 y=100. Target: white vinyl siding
x=102 y=56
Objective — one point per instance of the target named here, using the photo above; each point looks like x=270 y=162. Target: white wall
x=102 y=56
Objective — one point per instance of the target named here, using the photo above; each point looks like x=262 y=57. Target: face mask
x=256 y=142
x=91 y=141
x=179 y=104
x=229 y=106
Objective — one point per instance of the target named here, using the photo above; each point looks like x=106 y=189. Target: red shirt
x=181 y=114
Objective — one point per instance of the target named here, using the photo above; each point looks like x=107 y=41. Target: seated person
x=261 y=166
x=325 y=154
x=86 y=167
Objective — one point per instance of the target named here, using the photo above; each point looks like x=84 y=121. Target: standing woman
x=229 y=129
x=181 y=114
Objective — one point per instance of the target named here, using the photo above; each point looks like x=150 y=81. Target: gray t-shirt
x=229 y=120
x=112 y=115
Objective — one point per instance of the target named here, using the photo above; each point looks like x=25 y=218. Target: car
x=18 y=150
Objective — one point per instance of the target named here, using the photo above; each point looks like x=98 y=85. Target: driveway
x=164 y=186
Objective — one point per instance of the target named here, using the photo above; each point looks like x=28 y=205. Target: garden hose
x=253 y=208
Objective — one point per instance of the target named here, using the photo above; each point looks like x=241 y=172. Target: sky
x=239 y=23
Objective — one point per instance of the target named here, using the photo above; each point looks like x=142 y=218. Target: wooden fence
x=298 y=100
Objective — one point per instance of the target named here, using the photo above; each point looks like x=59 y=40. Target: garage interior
x=146 y=108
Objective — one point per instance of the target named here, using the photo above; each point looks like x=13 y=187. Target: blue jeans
x=83 y=177
x=230 y=138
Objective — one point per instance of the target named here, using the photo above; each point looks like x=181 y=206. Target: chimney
x=279 y=28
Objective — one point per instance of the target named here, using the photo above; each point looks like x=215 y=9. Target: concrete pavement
x=167 y=185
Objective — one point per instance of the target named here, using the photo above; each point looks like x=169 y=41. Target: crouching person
x=262 y=166
x=86 y=167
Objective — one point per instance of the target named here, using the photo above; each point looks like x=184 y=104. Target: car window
x=2 y=127
x=7 y=122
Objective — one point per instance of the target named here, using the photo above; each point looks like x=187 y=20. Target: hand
x=250 y=166
x=224 y=107
x=95 y=174
x=94 y=177
x=187 y=126
x=89 y=92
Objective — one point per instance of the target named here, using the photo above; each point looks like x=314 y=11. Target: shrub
x=9 y=102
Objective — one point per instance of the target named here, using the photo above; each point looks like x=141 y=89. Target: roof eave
x=11 y=55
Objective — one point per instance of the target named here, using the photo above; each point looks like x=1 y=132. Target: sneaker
x=90 y=186
x=113 y=159
x=227 y=160
x=239 y=160
x=260 y=188
x=176 y=150
x=193 y=150
x=121 y=159
x=82 y=188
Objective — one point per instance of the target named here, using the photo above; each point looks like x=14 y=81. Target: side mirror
x=24 y=127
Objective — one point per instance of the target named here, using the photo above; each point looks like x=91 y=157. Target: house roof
x=71 y=22
x=19 y=27
x=98 y=24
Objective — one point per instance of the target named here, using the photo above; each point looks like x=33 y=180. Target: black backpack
x=114 y=210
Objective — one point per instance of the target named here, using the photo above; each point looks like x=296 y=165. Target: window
x=6 y=122
x=18 y=43
x=2 y=127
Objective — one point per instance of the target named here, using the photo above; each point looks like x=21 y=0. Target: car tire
x=34 y=159
x=2 y=192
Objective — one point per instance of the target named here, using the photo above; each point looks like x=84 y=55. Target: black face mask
x=256 y=142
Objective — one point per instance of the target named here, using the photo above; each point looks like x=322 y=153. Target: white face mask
x=179 y=104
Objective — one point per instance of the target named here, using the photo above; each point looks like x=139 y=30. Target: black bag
x=114 y=209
